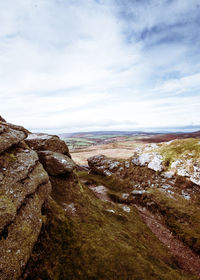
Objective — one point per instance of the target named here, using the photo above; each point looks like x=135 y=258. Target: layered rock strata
x=24 y=187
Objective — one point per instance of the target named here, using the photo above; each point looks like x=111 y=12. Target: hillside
x=82 y=140
x=122 y=219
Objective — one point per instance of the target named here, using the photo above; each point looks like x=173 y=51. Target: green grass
x=181 y=216
x=75 y=143
x=180 y=148
x=95 y=244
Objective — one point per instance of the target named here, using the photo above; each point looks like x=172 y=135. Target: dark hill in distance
x=100 y=133
x=170 y=136
x=166 y=135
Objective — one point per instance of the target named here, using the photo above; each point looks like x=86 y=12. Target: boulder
x=153 y=160
x=56 y=163
x=43 y=142
x=156 y=162
x=10 y=136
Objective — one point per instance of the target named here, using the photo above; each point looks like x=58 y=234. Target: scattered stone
x=125 y=195
x=70 y=208
x=113 y=165
x=166 y=187
x=127 y=164
x=138 y=192
x=126 y=208
x=107 y=173
x=185 y=195
x=110 y=210
x=156 y=163
x=167 y=175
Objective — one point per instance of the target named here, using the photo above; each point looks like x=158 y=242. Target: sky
x=86 y=65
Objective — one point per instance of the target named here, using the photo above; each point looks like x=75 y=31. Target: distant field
x=114 y=150
x=115 y=146
x=121 y=146
x=77 y=142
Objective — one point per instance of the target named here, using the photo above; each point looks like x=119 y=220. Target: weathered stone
x=10 y=137
x=43 y=142
x=56 y=163
x=138 y=192
x=156 y=162
x=24 y=186
x=104 y=166
x=152 y=160
x=21 y=235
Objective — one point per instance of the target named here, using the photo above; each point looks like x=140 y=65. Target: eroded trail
x=185 y=257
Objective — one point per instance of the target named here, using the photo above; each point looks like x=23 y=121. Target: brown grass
x=119 y=150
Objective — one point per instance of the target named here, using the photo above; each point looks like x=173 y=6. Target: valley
x=123 y=209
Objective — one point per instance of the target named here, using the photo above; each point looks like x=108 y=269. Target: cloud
x=82 y=65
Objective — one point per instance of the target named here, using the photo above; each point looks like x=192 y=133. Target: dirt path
x=186 y=259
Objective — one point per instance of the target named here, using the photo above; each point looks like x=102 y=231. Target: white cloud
x=82 y=66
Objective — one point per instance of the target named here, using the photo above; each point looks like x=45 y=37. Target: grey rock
x=24 y=186
x=56 y=163
x=103 y=165
x=138 y=192
x=10 y=137
x=43 y=142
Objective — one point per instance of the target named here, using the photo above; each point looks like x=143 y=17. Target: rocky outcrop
x=53 y=153
x=10 y=135
x=176 y=157
x=169 y=159
x=55 y=163
x=44 y=142
x=105 y=166
x=147 y=156
x=24 y=187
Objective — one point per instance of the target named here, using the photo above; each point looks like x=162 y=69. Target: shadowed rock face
x=24 y=186
x=43 y=142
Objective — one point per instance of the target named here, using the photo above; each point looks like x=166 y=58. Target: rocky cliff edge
x=24 y=188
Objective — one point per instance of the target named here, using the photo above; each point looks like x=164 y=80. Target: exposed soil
x=185 y=258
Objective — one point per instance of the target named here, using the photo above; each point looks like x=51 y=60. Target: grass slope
x=94 y=243
x=177 y=149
